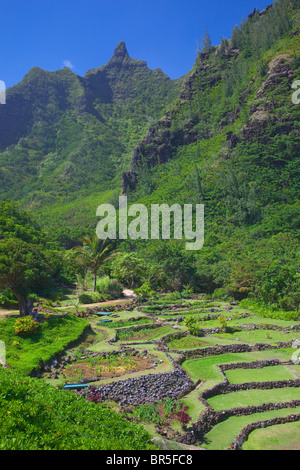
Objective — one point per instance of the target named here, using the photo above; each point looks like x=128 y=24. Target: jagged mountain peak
x=121 y=51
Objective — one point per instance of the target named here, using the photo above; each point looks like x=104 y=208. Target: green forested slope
x=226 y=136
x=231 y=142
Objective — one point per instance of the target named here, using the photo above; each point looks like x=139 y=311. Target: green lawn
x=253 y=398
x=145 y=334
x=251 y=337
x=279 y=437
x=125 y=323
x=186 y=343
x=25 y=353
x=252 y=319
x=204 y=368
x=221 y=436
x=125 y=315
x=262 y=336
x=265 y=374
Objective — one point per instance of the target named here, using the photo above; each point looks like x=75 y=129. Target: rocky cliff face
x=171 y=131
x=262 y=112
x=261 y=98
x=41 y=95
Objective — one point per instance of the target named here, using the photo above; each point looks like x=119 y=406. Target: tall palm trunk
x=93 y=254
x=95 y=281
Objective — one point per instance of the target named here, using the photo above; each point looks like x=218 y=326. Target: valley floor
x=239 y=388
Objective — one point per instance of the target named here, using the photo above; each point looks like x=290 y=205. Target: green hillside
x=141 y=329
x=226 y=135
x=231 y=142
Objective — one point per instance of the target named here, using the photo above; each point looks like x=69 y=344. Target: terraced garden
x=230 y=384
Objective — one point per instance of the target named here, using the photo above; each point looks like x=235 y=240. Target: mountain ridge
x=61 y=134
x=226 y=136
x=84 y=140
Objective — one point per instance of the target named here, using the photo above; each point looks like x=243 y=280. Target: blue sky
x=83 y=34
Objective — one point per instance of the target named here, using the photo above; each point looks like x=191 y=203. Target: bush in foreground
x=36 y=416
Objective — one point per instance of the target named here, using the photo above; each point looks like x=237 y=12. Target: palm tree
x=93 y=253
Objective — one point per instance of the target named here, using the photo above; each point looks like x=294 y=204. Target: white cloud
x=68 y=63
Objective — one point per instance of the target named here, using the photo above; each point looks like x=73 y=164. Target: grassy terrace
x=52 y=337
x=144 y=334
x=251 y=318
x=205 y=368
x=221 y=436
x=238 y=376
x=58 y=332
x=261 y=336
x=254 y=397
x=279 y=437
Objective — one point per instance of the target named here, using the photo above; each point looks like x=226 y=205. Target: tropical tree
x=130 y=269
x=206 y=41
x=93 y=253
x=25 y=268
x=27 y=263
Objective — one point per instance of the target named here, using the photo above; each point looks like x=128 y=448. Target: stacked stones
x=148 y=388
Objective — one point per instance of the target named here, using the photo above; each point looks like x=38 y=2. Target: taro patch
x=95 y=367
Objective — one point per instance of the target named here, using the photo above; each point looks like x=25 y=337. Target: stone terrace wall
x=230 y=348
x=251 y=365
x=211 y=418
x=225 y=388
x=148 y=388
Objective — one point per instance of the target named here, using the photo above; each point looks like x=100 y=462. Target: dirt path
x=129 y=294
x=9 y=312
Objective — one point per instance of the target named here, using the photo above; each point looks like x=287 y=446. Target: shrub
x=187 y=291
x=172 y=296
x=268 y=312
x=145 y=292
x=165 y=412
x=115 y=289
x=109 y=287
x=97 y=297
x=193 y=326
x=102 y=284
x=221 y=294
x=278 y=284
x=223 y=322
x=36 y=416
x=85 y=298
x=181 y=414
x=26 y=326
